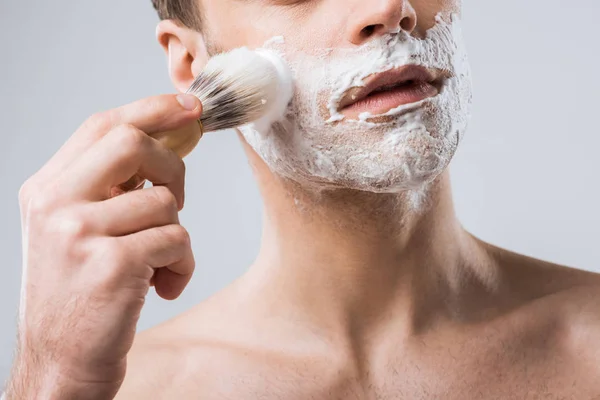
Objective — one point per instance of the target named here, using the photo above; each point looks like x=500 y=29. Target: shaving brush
x=235 y=88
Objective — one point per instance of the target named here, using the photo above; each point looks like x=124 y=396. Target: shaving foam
x=278 y=107
x=315 y=145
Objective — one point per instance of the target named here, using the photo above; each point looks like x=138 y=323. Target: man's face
x=405 y=56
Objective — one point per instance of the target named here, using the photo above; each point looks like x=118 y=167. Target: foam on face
x=316 y=146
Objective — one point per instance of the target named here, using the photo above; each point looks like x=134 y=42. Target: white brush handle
x=182 y=141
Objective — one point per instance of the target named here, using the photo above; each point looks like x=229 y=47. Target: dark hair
x=185 y=11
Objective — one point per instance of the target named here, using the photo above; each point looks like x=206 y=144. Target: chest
x=491 y=364
x=453 y=377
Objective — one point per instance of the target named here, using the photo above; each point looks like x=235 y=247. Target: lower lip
x=382 y=102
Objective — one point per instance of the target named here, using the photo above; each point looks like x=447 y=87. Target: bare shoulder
x=532 y=279
x=578 y=309
x=217 y=351
x=150 y=362
x=165 y=364
x=181 y=357
x=562 y=303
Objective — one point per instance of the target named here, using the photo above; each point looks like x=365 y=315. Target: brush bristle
x=235 y=88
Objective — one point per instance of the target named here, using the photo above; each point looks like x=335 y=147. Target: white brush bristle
x=239 y=87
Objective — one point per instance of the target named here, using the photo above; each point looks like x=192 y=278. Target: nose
x=372 y=18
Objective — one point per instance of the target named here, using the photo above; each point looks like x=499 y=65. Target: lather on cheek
x=403 y=149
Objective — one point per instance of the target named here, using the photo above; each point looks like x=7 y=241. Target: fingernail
x=188 y=101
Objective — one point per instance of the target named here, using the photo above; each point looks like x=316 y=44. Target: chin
x=412 y=169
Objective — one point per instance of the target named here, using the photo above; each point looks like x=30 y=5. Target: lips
x=388 y=90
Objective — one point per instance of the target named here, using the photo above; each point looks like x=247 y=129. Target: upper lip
x=395 y=77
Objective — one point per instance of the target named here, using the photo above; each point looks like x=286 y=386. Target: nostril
x=368 y=31
x=407 y=24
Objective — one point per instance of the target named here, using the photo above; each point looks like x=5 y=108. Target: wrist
x=33 y=380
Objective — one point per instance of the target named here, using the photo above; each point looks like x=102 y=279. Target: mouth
x=391 y=89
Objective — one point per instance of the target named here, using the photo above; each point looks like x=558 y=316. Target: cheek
x=226 y=36
x=304 y=28
x=231 y=27
x=427 y=10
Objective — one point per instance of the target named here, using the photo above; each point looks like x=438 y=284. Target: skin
x=353 y=295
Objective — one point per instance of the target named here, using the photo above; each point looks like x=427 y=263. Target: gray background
x=525 y=178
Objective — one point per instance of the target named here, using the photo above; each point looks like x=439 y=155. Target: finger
x=122 y=153
x=168 y=284
x=167 y=249
x=134 y=211
x=151 y=115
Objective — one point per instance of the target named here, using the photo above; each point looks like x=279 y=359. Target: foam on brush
x=240 y=87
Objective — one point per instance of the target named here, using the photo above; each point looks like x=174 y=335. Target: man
x=366 y=286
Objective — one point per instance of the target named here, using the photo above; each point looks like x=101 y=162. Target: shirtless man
x=366 y=286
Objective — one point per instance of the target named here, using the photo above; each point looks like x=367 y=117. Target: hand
x=90 y=257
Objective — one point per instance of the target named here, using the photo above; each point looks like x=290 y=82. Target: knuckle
x=101 y=121
x=65 y=233
x=131 y=138
x=165 y=197
x=160 y=104
x=71 y=226
x=179 y=235
x=40 y=205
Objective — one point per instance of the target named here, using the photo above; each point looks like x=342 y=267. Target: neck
x=350 y=260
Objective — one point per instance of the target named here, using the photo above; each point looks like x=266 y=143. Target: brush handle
x=182 y=141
